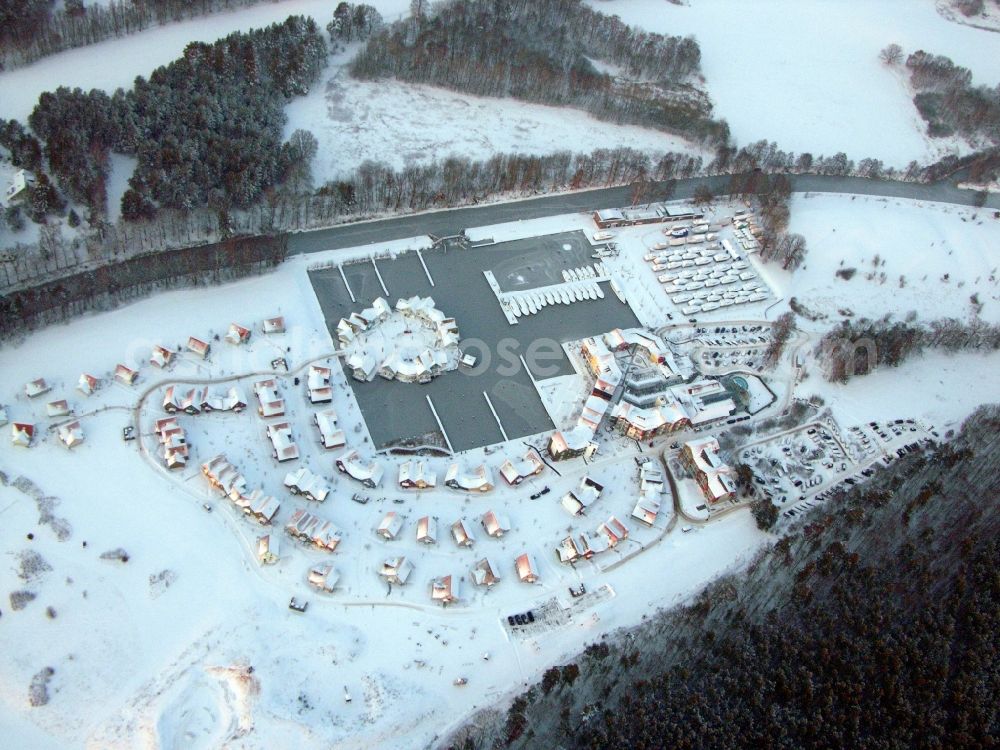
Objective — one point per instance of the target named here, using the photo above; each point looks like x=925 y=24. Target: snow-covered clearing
x=116 y=63
x=988 y=19
x=940 y=388
x=403 y=124
x=122 y=168
x=922 y=242
x=807 y=74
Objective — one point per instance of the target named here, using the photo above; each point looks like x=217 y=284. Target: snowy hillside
x=945 y=254
x=807 y=75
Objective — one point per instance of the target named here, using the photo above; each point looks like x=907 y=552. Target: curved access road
x=449 y=222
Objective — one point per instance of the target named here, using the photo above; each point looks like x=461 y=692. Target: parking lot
x=792 y=465
x=704 y=267
x=396 y=411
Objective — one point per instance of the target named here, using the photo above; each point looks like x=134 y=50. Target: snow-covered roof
x=18 y=184
x=311 y=528
x=198 y=347
x=36 y=388
x=71 y=434
x=351 y=464
x=390 y=526
x=462 y=534
x=323 y=577
x=427 y=530
x=526 y=569
x=271 y=403
x=614 y=530
x=485 y=572
x=87 y=384
x=495 y=524
x=363 y=365
x=58 y=408
x=601 y=361
x=396 y=570
x=125 y=375
x=517 y=470
x=326 y=423
x=445 y=589
x=646 y=509
x=224 y=476
x=318 y=384
x=573 y=440
x=161 y=357
x=478 y=479
x=257 y=504
x=282 y=440
x=268 y=549
x=663 y=416
x=273 y=325
x=416 y=474
x=303 y=482
x=21 y=433
x=237 y=334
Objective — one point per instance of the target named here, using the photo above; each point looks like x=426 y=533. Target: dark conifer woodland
x=542 y=51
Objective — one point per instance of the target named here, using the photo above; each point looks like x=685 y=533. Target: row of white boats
x=596 y=271
x=579 y=284
x=530 y=302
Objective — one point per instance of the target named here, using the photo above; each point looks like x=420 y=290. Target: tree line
x=206 y=129
x=874 y=622
x=106 y=287
x=949 y=103
x=853 y=347
x=510 y=49
x=31 y=29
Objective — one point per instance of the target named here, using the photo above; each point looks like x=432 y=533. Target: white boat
x=592 y=291
x=712 y=282
x=523 y=304
x=574 y=274
x=549 y=299
x=618 y=291
x=709 y=306
x=600 y=292
x=578 y=293
x=564 y=296
x=565 y=275
x=713 y=298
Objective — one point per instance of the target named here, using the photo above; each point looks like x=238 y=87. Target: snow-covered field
x=403 y=124
x=940 y=388
x=116 y=63
x=807 y=74
x=921 y=242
